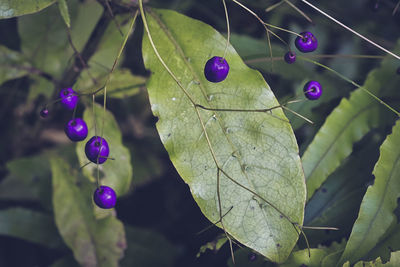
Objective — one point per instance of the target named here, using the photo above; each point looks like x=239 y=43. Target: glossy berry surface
x=44 y=113
x=290 y=57
x=97 y=147
x=76 y=130
x=312 y=90
x=105 y=197
x=69 y=98
x=216 y=69
x=306 y=44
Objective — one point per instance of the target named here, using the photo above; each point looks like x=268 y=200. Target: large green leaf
x=94 y=242
x=44 y=40
x=256 y=150
x=14 y=8
x=376 y=211
x=12 y=64
x=117 y=173
x=30 y=225
x=347 y=124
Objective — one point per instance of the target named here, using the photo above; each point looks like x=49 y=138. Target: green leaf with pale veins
x=63 y=7
x=117 y=173
x=256 y=150
x=15 y=8
x=347 y=124
x=94 y=242
x=376 y=211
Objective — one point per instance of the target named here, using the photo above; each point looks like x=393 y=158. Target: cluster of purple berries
x=306 y=43
x=96 y=149
x=216 y=69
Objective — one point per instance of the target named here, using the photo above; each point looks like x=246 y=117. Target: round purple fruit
x=76 y=130
x=44 y=113
x=69 y=98
x=307 y=43
x=97 y=150
x=105 y=197
x=312 y=90
x=290 y=57
x=216 y=69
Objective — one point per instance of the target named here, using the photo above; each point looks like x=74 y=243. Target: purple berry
x=97 y=149
x=252 y=256
x=44 y=113
x=398 y=71
x=290 y=57
x=312 y=90
x=76 y=130
x=216 y=69
x=105 y=197
x=69 y=98
x=306 y=44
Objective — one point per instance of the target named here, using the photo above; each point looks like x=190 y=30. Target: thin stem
x=98 y=173
x=210 y=226
x=113 y=68
x=265 y=59
x=351 y=30
x=94 y=116
x=158 y=54
x=272 y=7
x=352 y=82
x=263 y=22
x=396 y=8
x=298 y=10
x=228 y=28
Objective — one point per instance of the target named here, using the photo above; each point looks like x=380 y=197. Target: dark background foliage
x=159 y=200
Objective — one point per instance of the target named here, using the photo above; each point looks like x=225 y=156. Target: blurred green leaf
x=302 y=258
x=63 y=7
x=94 y=242
x=40 y=86
x=117 y=173
x=391 y=242
x=347 y=124
x=101 y=62
x=28 y=179
x=337 y=202
x=335 y=250
x=14 y=8
x=121 y=85
x=394 y=261
x=147 y=249
x=214 y=245
x=376 y=211
x=12 y=64
x=29 y=225
x=257 y=150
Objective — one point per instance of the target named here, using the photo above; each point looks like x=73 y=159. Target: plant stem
x=351 y=30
